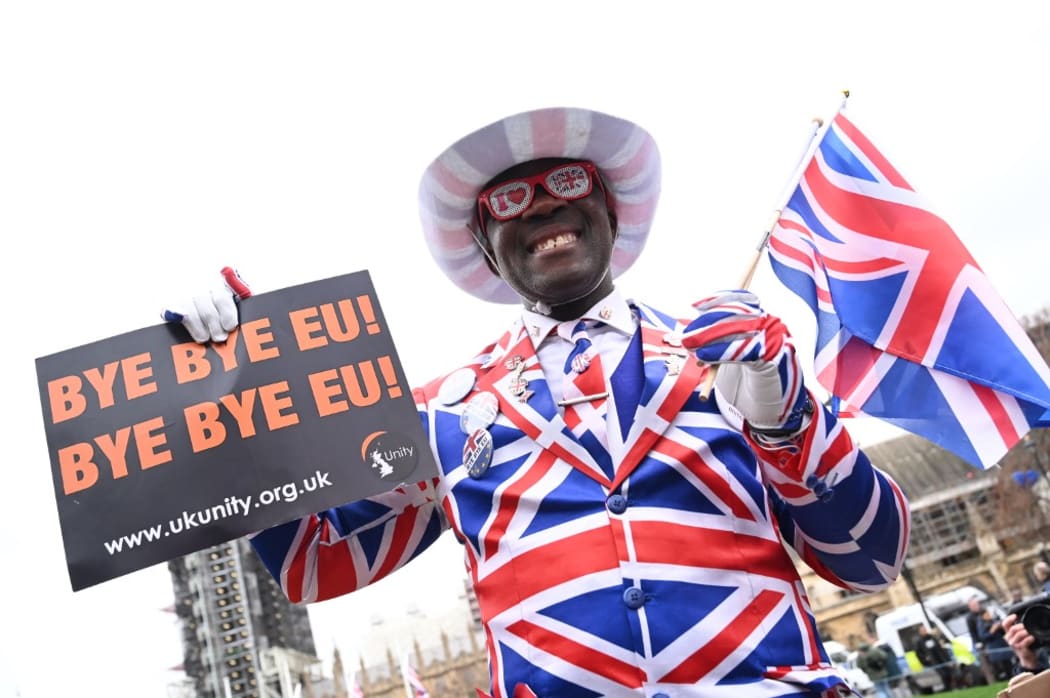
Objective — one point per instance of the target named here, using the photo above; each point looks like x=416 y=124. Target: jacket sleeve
x=339 y=550
x=847 y=520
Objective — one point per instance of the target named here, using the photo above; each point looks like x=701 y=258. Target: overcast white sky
x=144 y=145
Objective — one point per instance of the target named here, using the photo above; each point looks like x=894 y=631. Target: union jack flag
x=909 y=329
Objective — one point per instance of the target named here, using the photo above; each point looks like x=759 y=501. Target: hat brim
x=624 y=153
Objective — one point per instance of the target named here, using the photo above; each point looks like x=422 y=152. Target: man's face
x=556 y=251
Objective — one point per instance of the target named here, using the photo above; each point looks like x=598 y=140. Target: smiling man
x=547 y=229
x=624 y=534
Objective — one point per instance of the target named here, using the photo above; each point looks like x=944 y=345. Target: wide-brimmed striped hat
x=625 y=154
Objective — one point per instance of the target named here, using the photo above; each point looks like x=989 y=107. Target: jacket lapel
x=670 y=376
x=514 y=375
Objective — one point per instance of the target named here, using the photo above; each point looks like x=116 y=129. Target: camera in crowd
x=1034 y=614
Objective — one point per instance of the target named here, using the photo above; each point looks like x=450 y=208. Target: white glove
x=755 y=391
x=211 y=316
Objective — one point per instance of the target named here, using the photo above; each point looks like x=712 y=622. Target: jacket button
x=634 y=598
x=616 y=503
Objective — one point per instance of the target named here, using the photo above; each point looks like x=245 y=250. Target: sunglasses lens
x=569 y=182
x=510 y=199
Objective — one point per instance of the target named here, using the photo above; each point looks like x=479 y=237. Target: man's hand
x=1021 y=641
x=211 y=316
x=758 y=372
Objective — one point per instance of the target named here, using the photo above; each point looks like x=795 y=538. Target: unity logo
x=391 y=457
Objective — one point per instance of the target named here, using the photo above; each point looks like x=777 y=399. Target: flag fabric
x=909 y=329
x=415 y=683
x=355 y=688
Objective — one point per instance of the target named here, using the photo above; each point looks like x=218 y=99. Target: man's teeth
x=556 y=241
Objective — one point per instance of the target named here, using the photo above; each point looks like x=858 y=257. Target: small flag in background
x=415 y=683
x=909 y=329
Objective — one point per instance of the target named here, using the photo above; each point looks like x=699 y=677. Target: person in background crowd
x=876 y=664
x=996 y=651
x=1041 y=572
x=898 y=682
x=973 y=622
x=934 y=654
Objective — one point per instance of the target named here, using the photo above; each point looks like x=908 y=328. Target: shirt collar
x=613 y=310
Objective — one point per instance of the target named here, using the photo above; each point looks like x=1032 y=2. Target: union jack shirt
x=654 y=565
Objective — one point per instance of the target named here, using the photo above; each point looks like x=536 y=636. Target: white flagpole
x=813 y=139
x=409 y=693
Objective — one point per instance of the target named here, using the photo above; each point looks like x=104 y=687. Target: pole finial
x=845 y=93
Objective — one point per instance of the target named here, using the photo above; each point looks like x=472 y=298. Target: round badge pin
x=456 y=386
x=477 y=453
x=479 y=412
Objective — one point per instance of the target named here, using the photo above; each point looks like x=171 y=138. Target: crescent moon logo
x=368 y=442
x=388 y=455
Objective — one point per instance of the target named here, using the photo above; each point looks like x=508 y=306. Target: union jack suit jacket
x=654 y=568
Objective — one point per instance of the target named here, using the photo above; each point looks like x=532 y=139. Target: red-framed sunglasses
x=568 y=181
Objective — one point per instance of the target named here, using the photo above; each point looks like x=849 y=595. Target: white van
x=946 y=613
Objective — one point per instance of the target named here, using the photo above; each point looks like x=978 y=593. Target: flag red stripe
x=696 y=465
x=399 y=540
x=786 y=250
x=866 y=266
x=340 y=577
x=914 y=228
x=701 y=662
x=508 y=501
x=854 y=363
x=676 y=544
x=871 y=152
x=639 y=450
x=811 y=635
x=295 y=571
x=688 y=379
x=993 y=404
x=627 y=675
x=561 y=561
x=790 y=251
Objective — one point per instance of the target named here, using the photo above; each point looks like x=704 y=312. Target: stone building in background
x=241 y=637
x=445 y=648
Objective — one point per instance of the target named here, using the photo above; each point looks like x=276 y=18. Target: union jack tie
x=584 y=391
